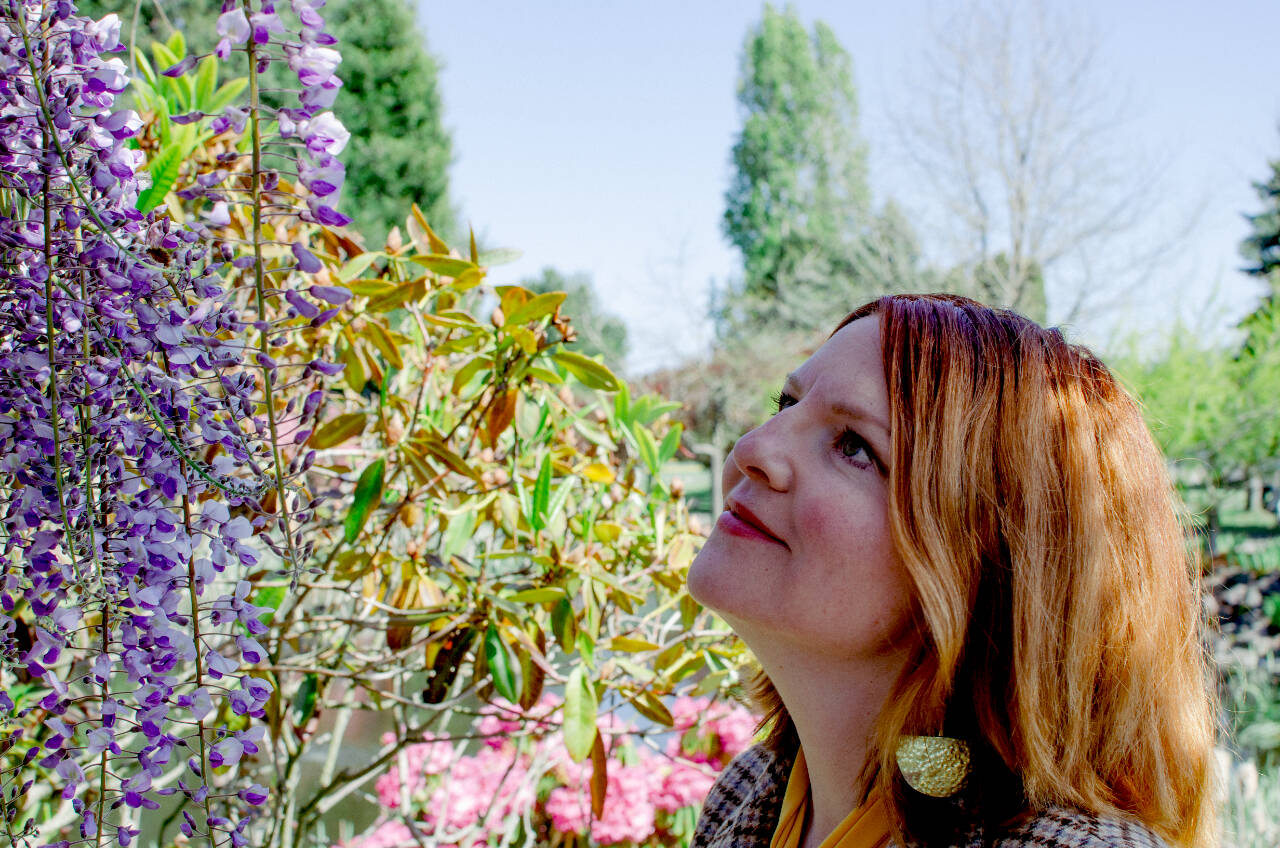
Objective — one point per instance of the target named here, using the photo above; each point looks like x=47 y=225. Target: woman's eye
x=855 y=448
x=782 y=400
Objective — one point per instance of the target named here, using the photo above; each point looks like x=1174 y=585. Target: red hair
x=1057 y=606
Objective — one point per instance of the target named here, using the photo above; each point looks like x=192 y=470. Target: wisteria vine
x=148 y=437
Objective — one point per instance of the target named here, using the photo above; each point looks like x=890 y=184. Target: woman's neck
x=834 y=705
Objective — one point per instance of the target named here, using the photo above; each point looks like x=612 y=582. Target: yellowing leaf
x=436 y=243
x=468 y=279
x=445 y=266
x=370 y=288
x=540 y=595
x=606 y=532
x=337 y=431
x=412 y=291
x=528 y=341
x=598 y=472
x=536 y=308
x=652 y=708
x=635 y=646
x=680 y=554
x=376 y=333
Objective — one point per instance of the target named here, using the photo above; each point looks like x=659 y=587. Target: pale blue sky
x=596 y=136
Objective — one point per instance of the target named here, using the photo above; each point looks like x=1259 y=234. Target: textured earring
x=933 y=765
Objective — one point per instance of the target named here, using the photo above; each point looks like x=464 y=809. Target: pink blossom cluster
x=479 y=795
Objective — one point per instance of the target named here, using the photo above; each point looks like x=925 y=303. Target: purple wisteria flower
x=133 y=463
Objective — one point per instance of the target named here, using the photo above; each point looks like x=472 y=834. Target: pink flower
x=389 y=834
x=628 y=807
x=683 y=785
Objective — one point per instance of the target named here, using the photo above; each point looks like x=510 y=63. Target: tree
x=1261 y=249
x=1013 y=133
x=598 y=332
x=799 y=206
x=399 y=151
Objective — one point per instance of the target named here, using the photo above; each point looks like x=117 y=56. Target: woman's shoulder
x=1064 y=827
x=742 y=807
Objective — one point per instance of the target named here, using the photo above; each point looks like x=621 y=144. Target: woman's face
x=802 y=551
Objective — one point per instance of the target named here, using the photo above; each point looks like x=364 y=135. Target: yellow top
x=865 y=827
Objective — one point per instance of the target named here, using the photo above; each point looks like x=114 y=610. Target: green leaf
x=536 y=308
x=144 y=65
x=579 y=715
x=592 y=374
x=498 y=657
x=445 y=266
x=269 y=597
x=647 y=448
x=165 y=58
x=304 y=700
x=164 y=172
x=557 y=501
x=458 y=533
x=563 y=625
x=368 y=494
x=177 y=44
x=670 y=443
x=357 y=265
x=206 y=83
x=622 y=406
x=541 y=495
x=226 y=94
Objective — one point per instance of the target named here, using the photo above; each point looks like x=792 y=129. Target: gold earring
x=933 y=765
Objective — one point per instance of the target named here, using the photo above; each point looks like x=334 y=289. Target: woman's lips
x=740 y=522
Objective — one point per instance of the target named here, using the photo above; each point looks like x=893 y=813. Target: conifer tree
x=799 y=206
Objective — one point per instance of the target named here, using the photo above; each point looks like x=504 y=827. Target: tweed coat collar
x=741 y=811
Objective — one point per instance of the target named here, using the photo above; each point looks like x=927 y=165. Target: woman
x=954 y=552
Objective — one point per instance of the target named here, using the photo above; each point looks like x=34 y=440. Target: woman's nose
x=761 y=455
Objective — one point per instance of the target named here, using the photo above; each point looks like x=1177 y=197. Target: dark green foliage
x=159 y=18
x=1261 y=250
x=799 y=207
x=599 y=333
x=399 y=151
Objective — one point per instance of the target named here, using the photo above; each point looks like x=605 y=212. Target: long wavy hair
x=1056 y=602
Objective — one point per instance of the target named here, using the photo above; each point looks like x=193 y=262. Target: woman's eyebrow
x=841 y=409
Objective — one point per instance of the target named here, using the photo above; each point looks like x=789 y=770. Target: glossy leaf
x=367 y=497
x=164 y=173
x=445 y=266
x=579 y=715
x=304 y=700
x=536 y=308
x=335 y=432
x=592 y=374
x=498 y=658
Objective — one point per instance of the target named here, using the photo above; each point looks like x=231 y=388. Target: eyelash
x=848 y=436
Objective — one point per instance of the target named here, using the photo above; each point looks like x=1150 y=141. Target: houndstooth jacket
x=742 y=809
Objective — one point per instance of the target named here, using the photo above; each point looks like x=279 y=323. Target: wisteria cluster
x=139 y=442
x=652 y=796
